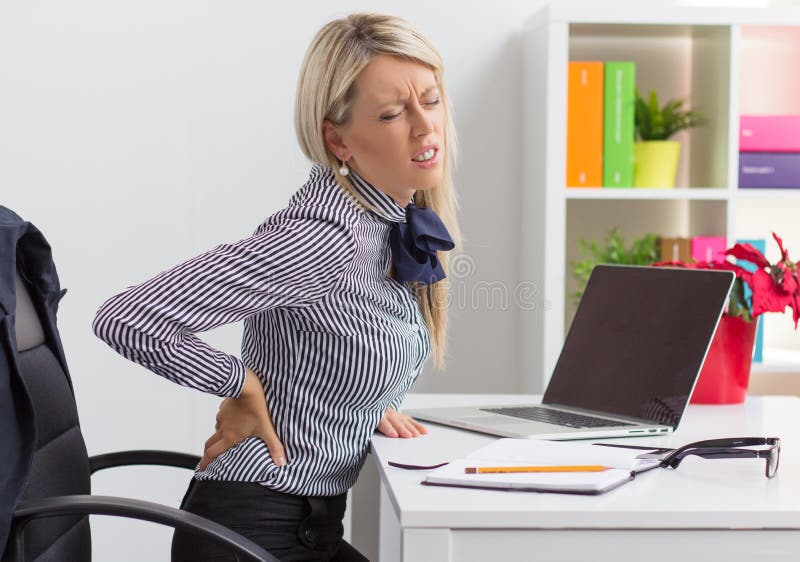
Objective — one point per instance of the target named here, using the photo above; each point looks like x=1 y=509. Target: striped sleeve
x=293 y=260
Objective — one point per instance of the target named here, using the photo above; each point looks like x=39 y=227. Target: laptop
x=629 y=362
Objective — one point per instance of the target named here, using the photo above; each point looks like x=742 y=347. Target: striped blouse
x=333 y=339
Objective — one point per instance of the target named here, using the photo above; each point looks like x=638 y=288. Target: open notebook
x=623 y=466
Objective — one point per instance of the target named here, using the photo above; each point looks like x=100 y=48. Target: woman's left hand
x=241 y=417
x=395 y=424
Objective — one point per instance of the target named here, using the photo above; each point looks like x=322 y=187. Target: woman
x=340 y=293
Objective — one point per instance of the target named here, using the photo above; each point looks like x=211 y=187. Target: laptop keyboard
x=555 y=417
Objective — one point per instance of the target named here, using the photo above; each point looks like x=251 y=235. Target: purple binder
x=769 y=169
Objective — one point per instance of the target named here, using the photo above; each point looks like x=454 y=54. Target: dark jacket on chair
x=23 y=249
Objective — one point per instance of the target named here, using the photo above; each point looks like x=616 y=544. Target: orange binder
x=585 y=124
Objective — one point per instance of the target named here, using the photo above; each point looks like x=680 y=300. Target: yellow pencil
x=500 y=469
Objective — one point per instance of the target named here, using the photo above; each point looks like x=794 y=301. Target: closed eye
x=393 y=116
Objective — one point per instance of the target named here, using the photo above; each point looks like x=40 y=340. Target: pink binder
x=708 y=249
x=769 y=133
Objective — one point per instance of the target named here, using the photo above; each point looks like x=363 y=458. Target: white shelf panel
x=763 y=193
x=676 y=194
x=778 y=361
x=625 y=13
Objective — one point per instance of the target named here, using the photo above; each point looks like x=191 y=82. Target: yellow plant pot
x=655 y=163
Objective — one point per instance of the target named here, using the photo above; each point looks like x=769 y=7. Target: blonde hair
x=325 y=90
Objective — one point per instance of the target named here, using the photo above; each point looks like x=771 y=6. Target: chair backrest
x=61 y=464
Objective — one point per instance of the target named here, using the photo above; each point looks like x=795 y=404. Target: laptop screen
x=638 y=340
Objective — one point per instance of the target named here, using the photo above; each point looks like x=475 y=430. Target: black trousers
x=288 y=526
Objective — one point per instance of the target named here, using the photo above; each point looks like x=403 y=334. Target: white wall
x=138 y=134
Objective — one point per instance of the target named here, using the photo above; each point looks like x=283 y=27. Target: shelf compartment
x=593 y=219
x=770 y=84
x=687 y=62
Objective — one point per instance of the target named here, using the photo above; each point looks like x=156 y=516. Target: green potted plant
x=643 y=251
x=655 y=158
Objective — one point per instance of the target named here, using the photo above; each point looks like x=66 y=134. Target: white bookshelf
x=712 y=57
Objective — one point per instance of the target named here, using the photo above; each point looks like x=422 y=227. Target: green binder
x=618 y=123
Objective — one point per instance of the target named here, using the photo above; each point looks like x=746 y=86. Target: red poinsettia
x=773 y=286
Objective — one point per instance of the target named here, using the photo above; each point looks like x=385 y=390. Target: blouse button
x=415 y=328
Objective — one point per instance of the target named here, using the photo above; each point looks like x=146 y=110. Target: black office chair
x=51 y=523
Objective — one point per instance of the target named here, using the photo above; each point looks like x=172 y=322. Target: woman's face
x=396 y=120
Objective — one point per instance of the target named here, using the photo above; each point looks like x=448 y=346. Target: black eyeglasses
x=730 y=449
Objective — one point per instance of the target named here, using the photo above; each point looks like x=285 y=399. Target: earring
x=344 y=170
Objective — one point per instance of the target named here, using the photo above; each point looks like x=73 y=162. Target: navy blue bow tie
x=414 y=244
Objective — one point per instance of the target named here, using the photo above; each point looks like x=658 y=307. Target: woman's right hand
x=242 y=417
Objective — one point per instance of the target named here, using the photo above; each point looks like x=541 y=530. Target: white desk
x=705 y=510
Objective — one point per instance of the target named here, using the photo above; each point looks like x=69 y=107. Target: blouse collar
x=382 y=203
